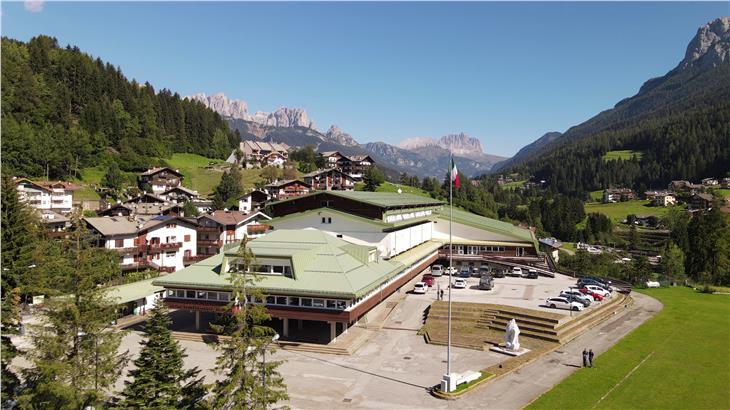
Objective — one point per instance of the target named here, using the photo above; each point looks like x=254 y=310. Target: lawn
x=196 y=172
x=725 y=193
x=390 y=187
x=596 y=195
x=618 y=211
x=93 y=175
x=678 y=359
x=623 y=155
x=85 y=193
x=513 y=185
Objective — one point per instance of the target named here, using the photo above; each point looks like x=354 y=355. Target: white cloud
x=34 y=6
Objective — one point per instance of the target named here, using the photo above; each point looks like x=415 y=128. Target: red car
x=428 y=280
x=596 y=296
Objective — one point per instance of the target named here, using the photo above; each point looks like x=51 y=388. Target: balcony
x=213 y=229
x=160 y=247
x=216 y=243
x=188 y=260
x=258 y=229
x=57 y=234
x=131 y=249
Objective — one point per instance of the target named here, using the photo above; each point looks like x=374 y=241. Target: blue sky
x=503 y=72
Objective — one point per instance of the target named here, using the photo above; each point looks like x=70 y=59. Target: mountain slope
x=700 y=80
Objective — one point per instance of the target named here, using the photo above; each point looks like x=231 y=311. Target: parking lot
x=514 y=291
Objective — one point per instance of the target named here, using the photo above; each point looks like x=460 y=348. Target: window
x=264 y=269
x=306 y=302
x=324 y=220
x=287 y=270
x=330 y=304
x=278 y=269
x=201 y=295
x=190 y=294
x=340 y=304
x=270 y=300
x=281 y=300
x=171 y=226
x=339 y=235
x=119 y=243
x=170 y=254
x=187 y=238
x=293 y=301
x=223 y=296
x=520 y=251
x=329 y=220
x=318 y=303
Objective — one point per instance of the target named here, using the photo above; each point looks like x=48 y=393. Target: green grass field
x=513 y=185
x=679 y=359
x=85 y=193
x=390 y=187
x=596 y=195
x=725 y=193
x=197 y=176
x=618 y=211
x=622 y=155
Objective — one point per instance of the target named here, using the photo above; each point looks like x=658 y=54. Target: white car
x=437 y=270
x=459 y=283
x=577 y=296
x=563 y=303
x=451 y=270
x=420 y=287
x=516 y=271
x=597 y=289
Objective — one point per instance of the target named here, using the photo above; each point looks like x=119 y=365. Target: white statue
x=511 y=337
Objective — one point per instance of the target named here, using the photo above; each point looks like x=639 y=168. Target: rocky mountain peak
x=335 y=134
x=461 y=144
x=224 y=106
x=710 y=47
x=418 y=142
x=238 y=109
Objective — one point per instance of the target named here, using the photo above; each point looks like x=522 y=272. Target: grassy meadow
x=618 y=211
x=679 y=359
x=195 y=168
x=622 y=155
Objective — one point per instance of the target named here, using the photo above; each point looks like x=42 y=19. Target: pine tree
x=10 y=325
x=74 y=358
x=160 y=380
x=19 y=238
x=228 y=189
x=373 y=177
x=114 y=180
x=189 y=209
x=243 y=373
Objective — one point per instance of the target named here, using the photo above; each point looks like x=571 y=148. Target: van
x=437 y=270
x=486 y=282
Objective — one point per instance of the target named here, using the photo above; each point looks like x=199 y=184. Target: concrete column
x=333 y=332
x=344 y=327
x=285 y=330
x=197 y=320
x=300 y=324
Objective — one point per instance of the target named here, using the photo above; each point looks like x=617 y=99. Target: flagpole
x=451 y=259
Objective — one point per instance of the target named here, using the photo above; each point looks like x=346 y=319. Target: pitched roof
x=145 y=196
x=322 y=266
x=231 y=217
x=112 y=225
x=488 y=224
x=48 y=185
x=164 y=220
x=130 y=292
x=324 y=171
x=183 y=189
x=156 y=170
x=250 y=146
x=388 y=199
x=285 y=182
x=252 y=192
x=50 y=217
x=330 y=153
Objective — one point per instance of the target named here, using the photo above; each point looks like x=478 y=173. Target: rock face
x=336 y=135
x=460 y=144
x=238 y=109
x=710 y=47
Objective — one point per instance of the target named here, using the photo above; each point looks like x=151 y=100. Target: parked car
x=532 y=274
x=486 y=282
x=597 y=297
x=577 y=296
x=605 y=282
x=459 y=283
x=450 y=271
x=484 y=270
x=498 y=273
x=585 y=281
x=516 y=271
x=437 y=270
x=465 y=271
x=597 y=289
x=475 y=272
x=420 y=287
x=428 y=279
x=563 y=303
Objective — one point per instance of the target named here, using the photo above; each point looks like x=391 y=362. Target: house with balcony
x=260 y=153
x=159 y=180
x=179 y=195
x=162 y=243
x=55 y=224
x=352 y=165
x=612 y=195
x=46 y=195
x=329 y=179
x=218 y=228
x=661 y=198
x=288 y=188
x=253 y=201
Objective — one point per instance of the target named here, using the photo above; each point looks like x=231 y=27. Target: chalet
x=253 y=200
x=710 y=182
x=661 y=198
x=287 y=189
x=46 y=195
x=683 y=187
x=162 y=243
x=159 y=180
x=331 y=158
x=700 y=201
x=142 y=210
x=179 y=195
x=726 y=183
x=219 y=228
x=259 y=153
x=146 y=198
x=55 y=224
x=551 y=246
x=353 y=165
x=329 y=179
x=618 y=195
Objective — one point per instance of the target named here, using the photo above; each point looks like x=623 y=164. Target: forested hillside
x=63 y=110
x=690 y=145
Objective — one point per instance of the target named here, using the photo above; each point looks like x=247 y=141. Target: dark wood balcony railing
x=210 y=242
x=159 y=247
x=208 y=228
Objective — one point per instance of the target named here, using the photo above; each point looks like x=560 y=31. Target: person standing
x=590 y=358
x=585 y=358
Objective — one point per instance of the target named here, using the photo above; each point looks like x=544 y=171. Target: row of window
x=268 y=269
x=317 y=303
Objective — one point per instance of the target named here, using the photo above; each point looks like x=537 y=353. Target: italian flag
x=454 y=173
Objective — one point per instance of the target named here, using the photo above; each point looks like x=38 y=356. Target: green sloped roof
x=488 y=224
x=379 y=199
x=322 y=266
x=133 y=291
x=331 y=211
